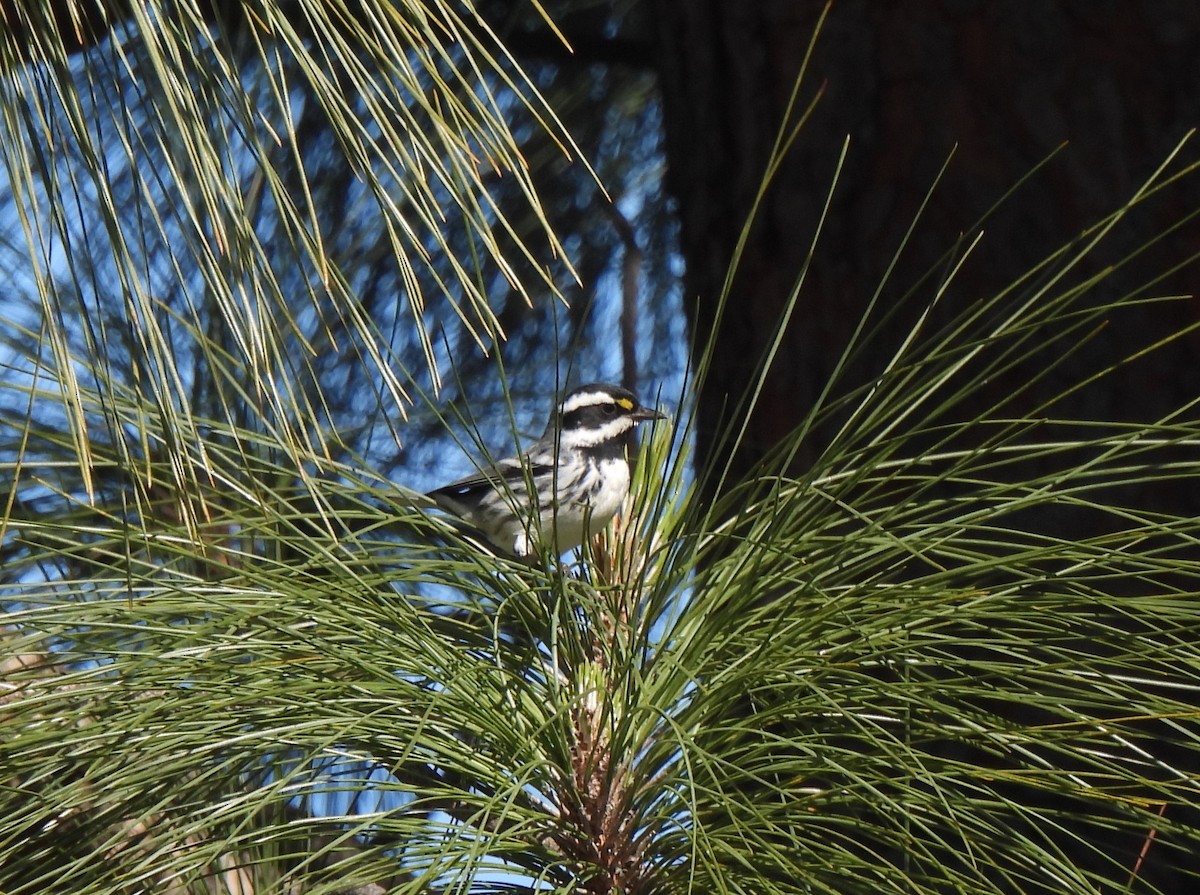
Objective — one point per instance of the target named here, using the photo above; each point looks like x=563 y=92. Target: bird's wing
x=504 y=474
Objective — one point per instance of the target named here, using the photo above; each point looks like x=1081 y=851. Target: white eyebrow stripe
x=587 y=399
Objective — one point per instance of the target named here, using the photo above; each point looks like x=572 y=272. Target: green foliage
x=948 y=655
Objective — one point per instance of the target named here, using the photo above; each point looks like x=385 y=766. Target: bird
x=578 y=469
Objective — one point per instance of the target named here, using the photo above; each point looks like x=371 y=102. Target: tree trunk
x=1004 y=82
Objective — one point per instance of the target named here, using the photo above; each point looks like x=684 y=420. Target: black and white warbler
x=579 y=470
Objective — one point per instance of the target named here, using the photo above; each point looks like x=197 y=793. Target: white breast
x=575 y=521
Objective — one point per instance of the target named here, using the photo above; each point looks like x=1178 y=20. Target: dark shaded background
x=1002 y=84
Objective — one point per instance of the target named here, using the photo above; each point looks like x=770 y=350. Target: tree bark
x=1004 y=82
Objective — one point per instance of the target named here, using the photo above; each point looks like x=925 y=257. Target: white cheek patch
x=591 y=437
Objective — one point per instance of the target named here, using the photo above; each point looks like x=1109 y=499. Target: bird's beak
x=644 y=414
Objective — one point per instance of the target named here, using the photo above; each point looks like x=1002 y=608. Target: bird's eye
x=609 y=409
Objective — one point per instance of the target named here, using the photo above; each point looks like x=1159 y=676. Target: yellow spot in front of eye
x=624 y=403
